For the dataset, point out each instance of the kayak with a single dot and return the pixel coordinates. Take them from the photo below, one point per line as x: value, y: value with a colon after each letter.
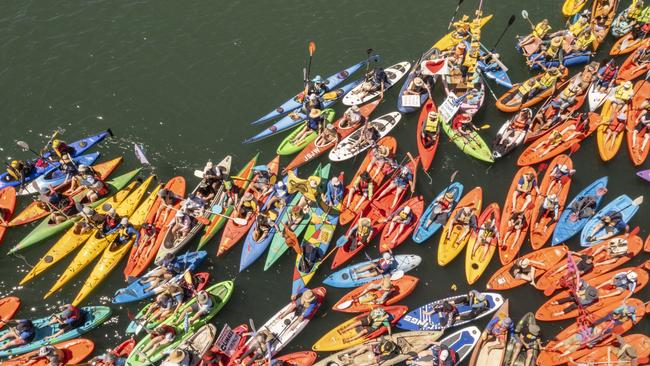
x: 171, y: 243
x: 71, y: 240
x: 472, y: 145
x: 622, y: 204
x: 496, y: 71
x: 427, y: 150
x: 97, y: 242
x: 94, y: 316
x: 297, y: 116
x: 278, y: 244
x: 640, y: 342
x: 216, y: 221
x: 551, y: 279
x: 331, y: 82
x: 549, y: 310
x: 509, y: 102
x: 231, y: 339
x: 7, y: 207
x: 621, y: 25
x: 644, y: 174
x: 532, y: 156
x: 418, y: 319
x: 141, y: 256
x: 509, y: 248
x: 391, y: 241
x: 500, y: 150
x: 570, y: 224
x: 503, y: 278
x: 74, y: 351
x: 608, y: 149
x: 469, y: 103
x: 423, y: 232
x: 348, y: 278
x: 350, y: 146
x: 304, y: 358
x: 337, y: 339
x: 639, y: 153
x: 408, y: 343
x: 568, y: 60
x: 450, y: 246
x: 487, y: 352
x: 603, y: 28
x: 47, y: 228
x: 451, y: 39
x: 233, y: 232
x: 461, y: 342
x: 630, y: 70
x: 359, y: 303
x: 477, y: 260
x: 195, y: 346
x: 394, y: 74
x: 548, y: 358
x: 287, y: 147
x: 627, y: 44
x: 122, y: 351
x: 9, y: 306
x: 595, y: 96
x: 56, y: 177
x: 115, y: 251
x: 521, y: 329
x: 350, y: 211
x: 43, y: 165
x: 283, y: 327
x: 315, y: 149
x: 34, y: 211
x: 542, y: 226
x: 137, y: 290
x: 416, y: 71
x: 220, y: 292
x: 573, y: 7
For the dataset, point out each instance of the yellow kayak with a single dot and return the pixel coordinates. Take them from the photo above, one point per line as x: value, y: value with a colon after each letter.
x: 608, y: 149
x: 478, y: 258
x: 573, y: 7
x: 71, y: 241
x: 115, y: 252
x: 450, y: 245
x: 96, y: 244
x: 451, y: 39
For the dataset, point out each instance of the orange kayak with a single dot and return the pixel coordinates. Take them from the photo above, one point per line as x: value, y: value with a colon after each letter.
x: 427, y: 151
x: 386, y: 241
x: 503, y: 278
x: 646, y: 247
x: 304, y: 358
x: 509, y: 102
x: 551, y: 358
x: 638, y: 154
x: 550, y: 281
x: 142, y: 255
x: 350, y: 211
x: 233, y: 232
x: 630, y: 70
x: 450, y: 246
x: 550, y: 312
x: 74, y: 351
x: 8, y: 307
x: 541, y: 227
x: 314, y: 150
x: 7, y: 207
x: 601, y: 29
x: 640, y: 342
x: 508, y: 247
x: 608, y: 149
x: 627, y: 44
x: 122, y: 350
x: 542, y: 148
x: 401, y: 289
x: 477, y: 260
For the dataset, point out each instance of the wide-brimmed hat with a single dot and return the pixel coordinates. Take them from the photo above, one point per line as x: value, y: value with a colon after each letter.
x: 307, y: 297
x: 314, y: 113
x: 176, y: 356
x: 202, y: 297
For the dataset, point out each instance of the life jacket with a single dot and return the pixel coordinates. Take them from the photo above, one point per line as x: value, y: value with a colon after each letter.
x: 583, y: 42
x: 431, y: 126
x: 547, y: 80
x: 444, y: 204
x: 75, y: 314
x: 577, y: 28
x: 464, y: 217
x: 526, y: 185
x: 552, y: 50
x: 623, y: 94
x: 62, y: 149
x: 609, y: 72
x: 524, y: 88
x: 541, y: 29
x: 519, y: 123
x: 556, y: 138
x: 644, y: 17
x: 363, y: 231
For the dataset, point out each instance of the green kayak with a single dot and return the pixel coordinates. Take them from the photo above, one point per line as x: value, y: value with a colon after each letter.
x: 473, y: 146
x: 46, y: 229
x: 278, y: 245
x: 221, y: 293
x: 288, y: 148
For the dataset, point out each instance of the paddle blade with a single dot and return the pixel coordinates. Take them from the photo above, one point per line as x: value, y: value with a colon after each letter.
x: 638, y: 201
x: 524, y: 14
x: 216, y: 209
x: 453, y: 176
x: 574, y: 148
x: 634, y: 231
x: 23, y: 145
x: 198, y: 173
x: 397, y: 275
x: 203, y: 220
x: 341, y: 241
x: 344, y: 305
x: 240, y: 221
x: 511, y: 20
x: 312, y: 48
x: 549, y: 291
x: 187, y: 276
x: 139, y: 153
x: 541, y: 167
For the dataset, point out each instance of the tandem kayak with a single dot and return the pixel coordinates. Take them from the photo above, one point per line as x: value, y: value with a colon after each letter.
x: 450, y: 245
x: 571, y: 59
x: 424, y: 231
x: 348, y: 278
x: 56, y: 177
x: 394, y: 74
x: 622, y: 204
x: 351, y: 146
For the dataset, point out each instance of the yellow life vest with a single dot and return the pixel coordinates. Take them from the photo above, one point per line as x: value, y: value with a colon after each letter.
x: 547, y: 80
x: 577, y: 28
x: 582, y: 43
x: 623, y: 94
x: 524, y: 88
x: 540, y: 30
x: 431, y: 126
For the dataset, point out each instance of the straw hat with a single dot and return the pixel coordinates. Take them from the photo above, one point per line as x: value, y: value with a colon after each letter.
x: 315, y: 113
x: 177, y: 356
x: 307, y: 297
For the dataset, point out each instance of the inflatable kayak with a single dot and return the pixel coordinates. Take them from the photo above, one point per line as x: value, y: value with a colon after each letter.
x: 426, y: 148
x: 622, y: 204
x: 361, y: 300
x: 509, y: 247
x: 450, y: 244
x: 420, y: 319
x: 503, y: 278
x: 287, y: 147
x: 391, y: 241
x: 638, y: 153
x: 472, y: 145
x: 348, y: 278
x: 477, y: 256
x: 56, y: 177
x: 571, y: 59
x: 8, y: 308
x: 394, y: 74
x: 608, y: 148
x: 74, y: 351
x: 569, y: 222
x: 7, y: 207
x: 422, y: 231
x: 350, y: 146
x: 487, y: 351
x: 461, y: 342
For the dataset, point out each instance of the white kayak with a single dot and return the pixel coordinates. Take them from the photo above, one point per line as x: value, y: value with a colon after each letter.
x: 394, y: 74
x: 597, y: 98
x: 350, y: 146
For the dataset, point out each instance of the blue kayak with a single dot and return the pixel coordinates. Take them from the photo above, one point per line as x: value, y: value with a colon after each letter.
x: 417, y: 319
x: 297, y: 117
x: 421, y: 234
x: 347, y: 278
x: 46, y: 166
x: 566, y: 228
x: 409, y: 78
x: 57, y: 177
x: 622, y: 204
x: 93, y: 317
x: 495, y: 71
x: 573, y: 59
x: 136, y: 291
x: 331, y: 83
x: 461, y: 341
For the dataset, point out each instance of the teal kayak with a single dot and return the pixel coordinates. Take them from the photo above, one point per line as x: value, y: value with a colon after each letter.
x: 287, y: 147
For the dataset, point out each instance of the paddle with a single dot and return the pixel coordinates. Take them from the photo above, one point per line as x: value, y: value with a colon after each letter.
x: 524, y: 14
x: 139, y: 154
x: 312, y: 49
x: 451, y: 22
x: 218, y: 209
x: 25, y: 147
x: 636, y: 202
x: 511, y: 21
x: 200, y: 219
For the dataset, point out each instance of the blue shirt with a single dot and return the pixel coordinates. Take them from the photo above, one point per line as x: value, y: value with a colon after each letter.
x: 308, y: 311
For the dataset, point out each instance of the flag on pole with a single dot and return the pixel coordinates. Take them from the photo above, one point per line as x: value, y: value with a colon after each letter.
x: 139, y: 153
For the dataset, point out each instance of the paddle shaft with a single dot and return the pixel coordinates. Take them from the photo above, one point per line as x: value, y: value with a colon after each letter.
x: 453, y: 17
x: 510, y: 22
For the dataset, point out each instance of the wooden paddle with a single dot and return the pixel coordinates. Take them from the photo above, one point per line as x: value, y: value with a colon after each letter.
x: 218, y: 209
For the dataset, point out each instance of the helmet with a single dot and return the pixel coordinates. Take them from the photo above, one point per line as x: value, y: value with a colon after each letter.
x: 387, y: 256
x: 15, y: 164
x: 317, y: 79
x: 444, y: 355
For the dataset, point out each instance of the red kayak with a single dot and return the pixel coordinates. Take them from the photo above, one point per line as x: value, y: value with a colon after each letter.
x: 509, y: 247
x: 427, y: 150
x: 123, y: 350
x: 241, y: 332
x: 386, y: 241
x: 74, y: 351
x: 7, y: 206
x: 638, y: 153
x: 304, y: 358
x: 359, y: 304
x: 8, y: 307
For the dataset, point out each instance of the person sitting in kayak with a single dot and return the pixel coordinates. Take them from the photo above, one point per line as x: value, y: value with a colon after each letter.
x: 584, y: 264
x: 441, y: 209
x: 315, y: 124
x: 402, y: 219
x: 620, y: 315
x: 17, y: 171
x: 370, y: 135
x: 477, y: 302
x: 213, y: 177
x: 377, y: 293
x: 125, y: 232
x: 50, y: 354
x: 169, y: 267
x: 606, y: 76
x: 334, y: 193
x: 296, y: 215
x: 316, y: 86
x: 642, y: 128
x: 519, y: 125
x: 447, y: 313
x: 111, y: 220
x: 70, y: 318
x: 311, y: 255
x: 417, y: 86
x: 584, y: 206
x: 622, y: 282
x: 548, y: 52
x: 265, y: 222
x: 247, y: 206
x: 586, y: 337
x: 615, y: 249
x: 550, y: 208
x: 561, y: 104
x: 312, y: 102
x: 169, y: 200
x: 402, y: 180
x: 352, y: 118
x: 461, y: 28
x: 431, y: 128
x: 258, y: 349
x: 466, y: 220
x: 624, y: 352
x: 262, y: 182
x: 21, y: 332
x: 378, y: 352
x: 547, y: 81
x: 160, y: 309
x: 304, y: 304
x: 377, y: 318
x: 517, y: 223
x: 95, y: 187
x: 601, y: 16
x: 560, y: 174
x: 109, y: 358
x: 375, y: 80
x: 621, y: 97
x: 539, y: 33
x: 525, y: 269
x: 488, y: 235
x: 60, y: 206
x: 363, y: 186
x: 381, y: 160
x: 520, y: 96
x: 500, y: 329
x: 181, y: 224
x: 160, y: 337
x: 90, y: 220
x: 463, y: 126
x: 526, y: 187
x: 584, y: 296
x: 327, y: 136
x: 527, y: 339
x: 437, y: 355
x: 382, y: 267
x: 612, y: 222
x: 615, y: 127
x: 203, y: 305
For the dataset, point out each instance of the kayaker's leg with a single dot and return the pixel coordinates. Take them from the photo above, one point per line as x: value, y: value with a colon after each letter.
x: 399, y: 232
x: 515, y: 353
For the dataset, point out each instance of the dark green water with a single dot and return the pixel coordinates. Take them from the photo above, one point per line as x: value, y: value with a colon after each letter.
x: 186, y: 78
